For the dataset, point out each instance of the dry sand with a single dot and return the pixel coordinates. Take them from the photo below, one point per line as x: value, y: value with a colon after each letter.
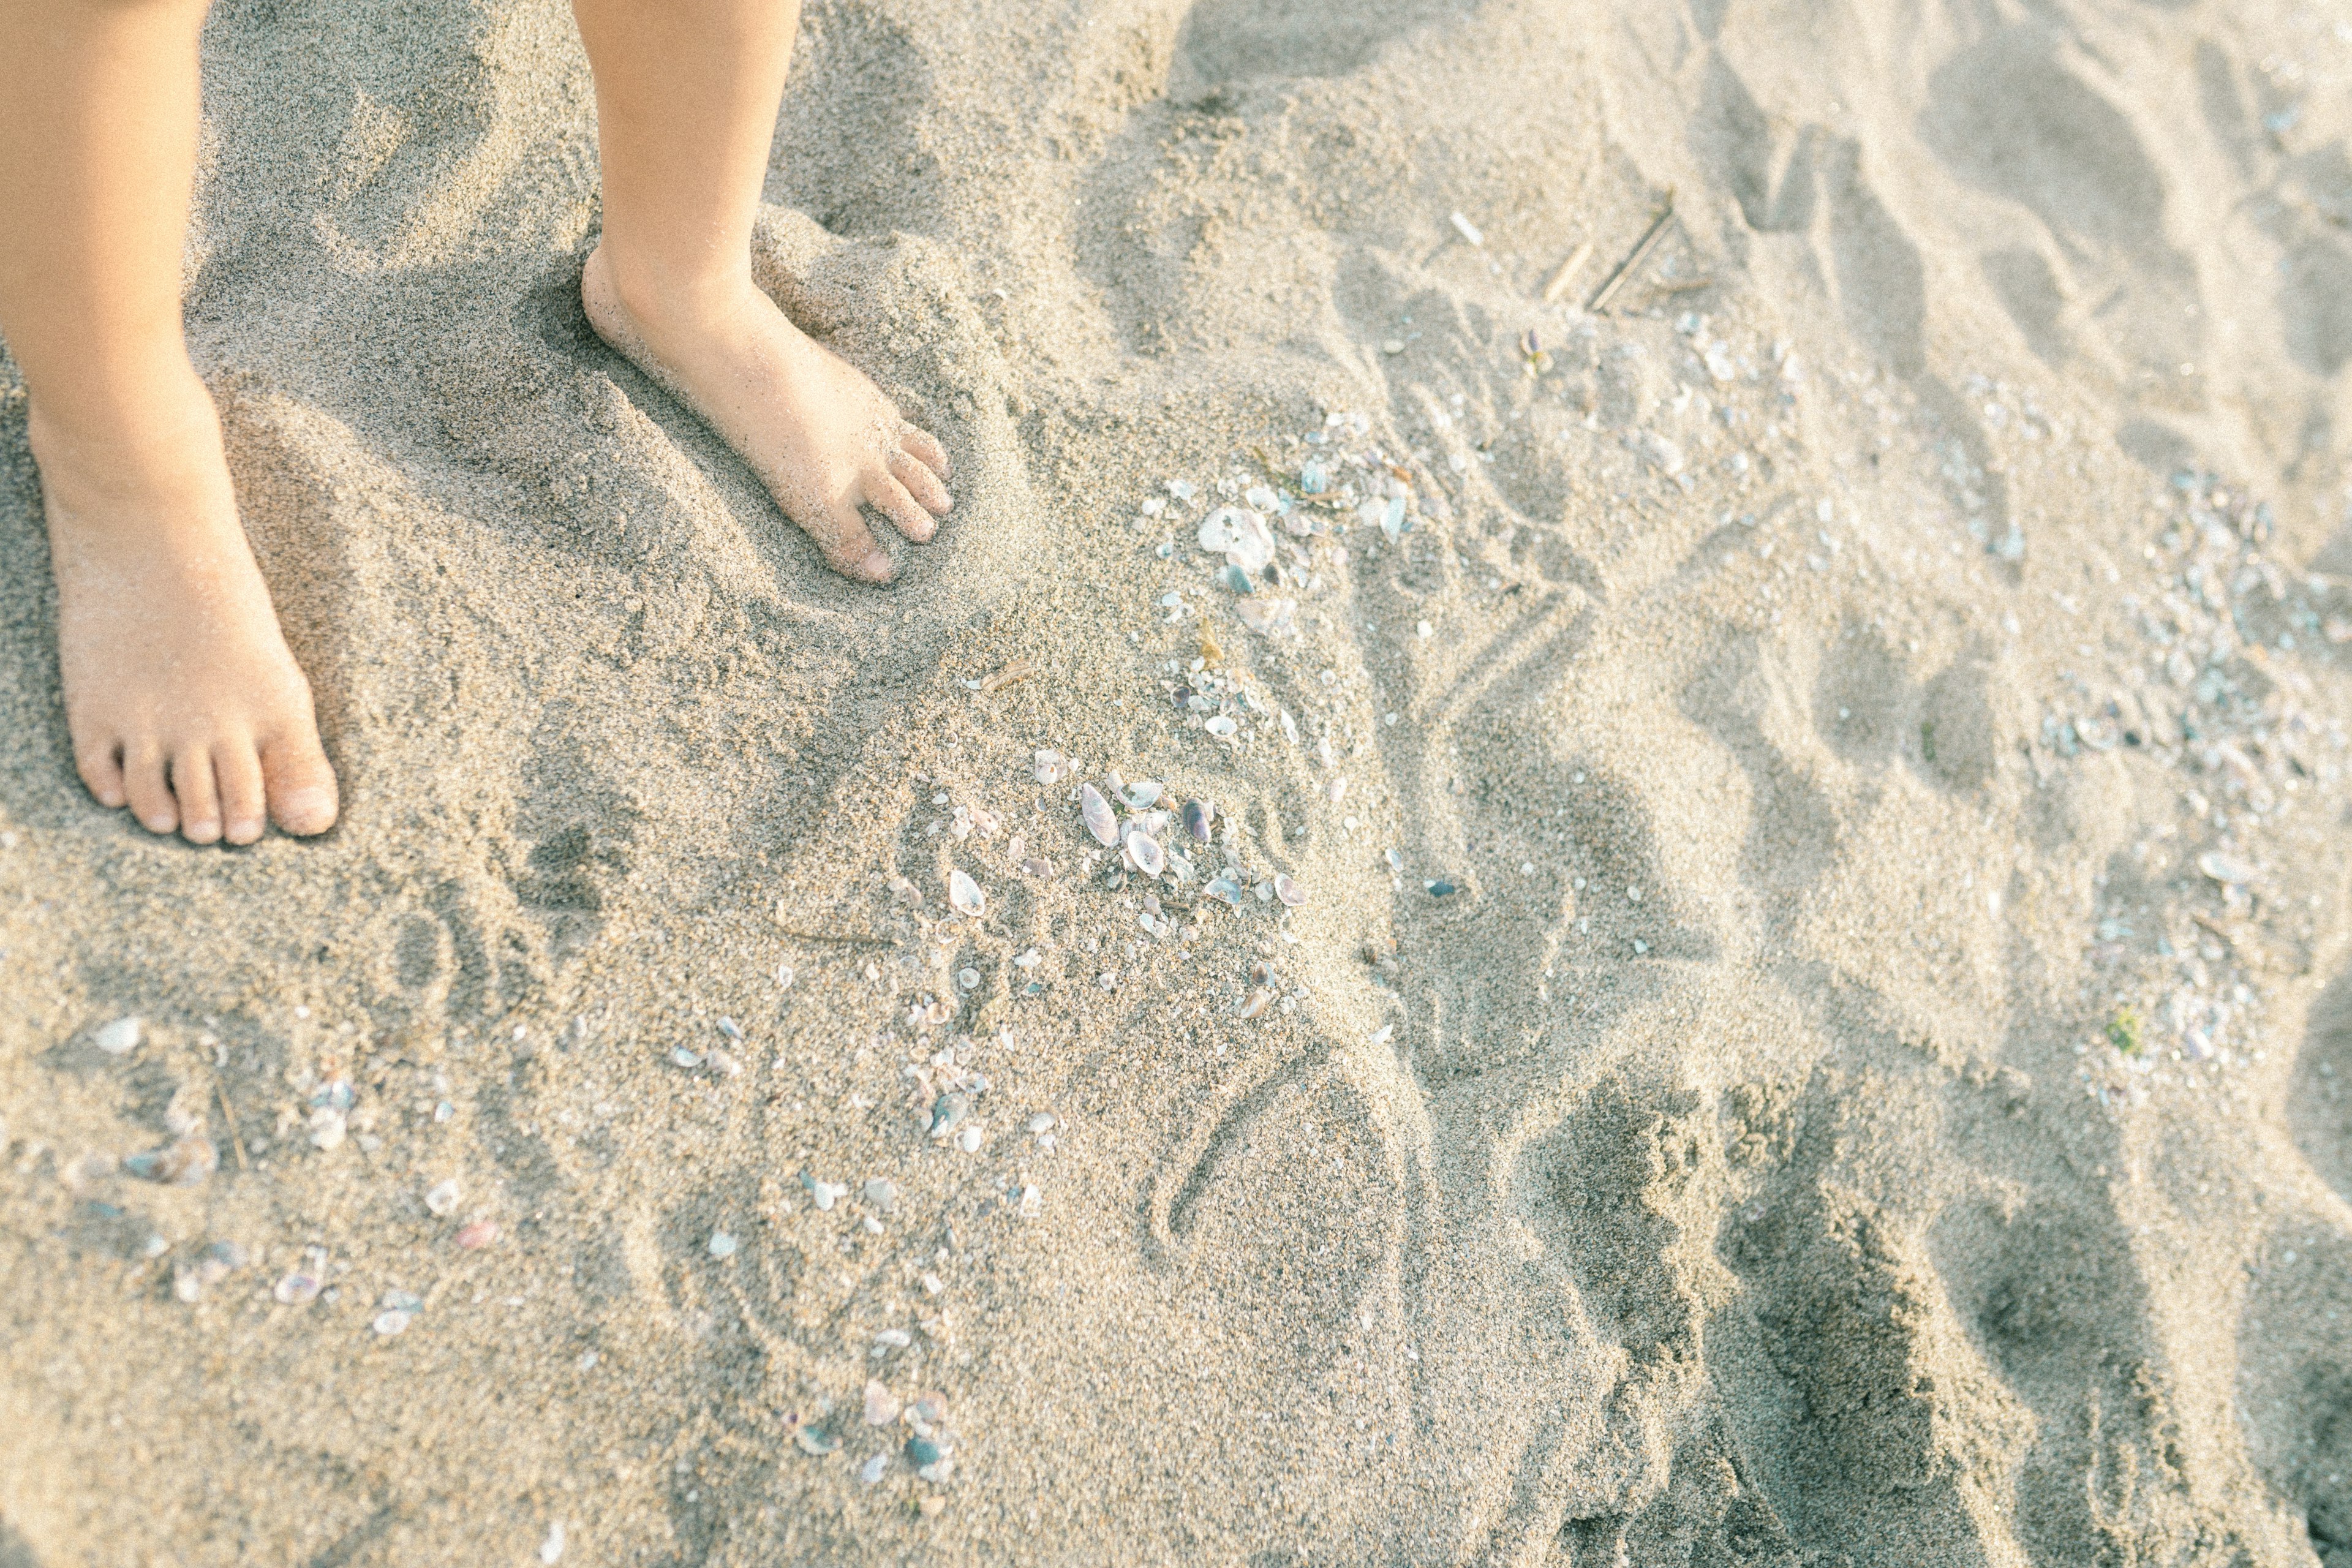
x: 1879, y: 693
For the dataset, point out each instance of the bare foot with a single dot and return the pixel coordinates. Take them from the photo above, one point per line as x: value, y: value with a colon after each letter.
x: 821, y: 437
x: 182, y: 698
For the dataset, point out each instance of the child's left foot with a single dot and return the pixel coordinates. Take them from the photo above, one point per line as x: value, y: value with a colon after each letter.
x: 822, y: 437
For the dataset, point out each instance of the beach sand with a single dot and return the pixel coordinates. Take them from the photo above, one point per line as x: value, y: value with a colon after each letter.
x: 1816, y: 1025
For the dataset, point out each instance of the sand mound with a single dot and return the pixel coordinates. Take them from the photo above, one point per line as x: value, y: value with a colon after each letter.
x: 1816, y: 1027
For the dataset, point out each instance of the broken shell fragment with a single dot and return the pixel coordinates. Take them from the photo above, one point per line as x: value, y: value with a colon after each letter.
x: 1288, y: 891
x: 1257, y: 1002
x: 1096, y: 812
x: 1198, y: 815
x: 1142, y: 795
x: 120, y: 1038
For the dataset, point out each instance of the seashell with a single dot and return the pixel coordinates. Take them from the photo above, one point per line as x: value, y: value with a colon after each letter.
x: 1313, y: 478
x: 1257, y: 1002
x: 1223, y: 726
x: 882, y: 1407
x: 1096, y: 812
x: 1238, y: 580
x: 1042, y: 1122
x: 1053, y: 767
x: 1269, y: 618
x: 479, y: 1235
x: 924, y: 1452
x: 442, y: 1200
x: 327, y: 1128
x: 1439, y: 887
x: 1221, y: 531
x: 1198, y: 815
x: 1287, y: 890
x: 120, y: 1038
x: 1255, y: 549
x: 2225, y: 868
x: 1225, y: 889
x: 965, y: 895
x: 1141, y: 794
x: 1144, y: 852
x: 811, y: 1441
x: 392, y: 1322
x: 294, y: 1290
x: 721, y: 1245
x: 948, y: 1113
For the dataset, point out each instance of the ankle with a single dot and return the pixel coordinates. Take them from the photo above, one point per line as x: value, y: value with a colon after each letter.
x: 659, y: 295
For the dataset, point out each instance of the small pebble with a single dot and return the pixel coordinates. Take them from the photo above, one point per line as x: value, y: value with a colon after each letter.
x: 881, y: 1193
x: 120, y: 1038
x: 442, y: 1199
x: 969, y: 1140
x: 552, y: 1549
x: 721, y: 1245
x: 1042, y: 1122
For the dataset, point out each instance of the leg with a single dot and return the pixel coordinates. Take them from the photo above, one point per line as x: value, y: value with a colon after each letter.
x: 180, y: 696
x: 686, y: 108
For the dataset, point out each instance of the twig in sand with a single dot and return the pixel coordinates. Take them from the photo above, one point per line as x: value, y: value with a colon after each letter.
x: 841, y: 938
x: 1567, y: 273
x: 1634, y: 258
x: 234, y: 1141
x: 1020, y: 669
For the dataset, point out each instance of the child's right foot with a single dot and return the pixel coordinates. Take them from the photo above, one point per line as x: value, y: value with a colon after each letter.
x: 182, y: 698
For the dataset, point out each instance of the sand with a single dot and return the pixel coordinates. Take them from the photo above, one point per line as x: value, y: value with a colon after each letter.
x: 1877, y: 694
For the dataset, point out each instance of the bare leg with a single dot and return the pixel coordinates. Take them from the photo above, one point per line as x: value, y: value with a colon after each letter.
x: 686, y: 108
x: 180, y: 696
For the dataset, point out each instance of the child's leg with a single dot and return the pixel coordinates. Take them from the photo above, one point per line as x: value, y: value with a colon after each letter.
x: 180, y: 694
x: 686, y: 105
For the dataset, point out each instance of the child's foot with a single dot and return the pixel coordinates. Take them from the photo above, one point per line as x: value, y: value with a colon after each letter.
x: 821, y: 437
x: 182, y: 698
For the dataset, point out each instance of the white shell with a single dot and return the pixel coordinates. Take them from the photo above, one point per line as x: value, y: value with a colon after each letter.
x: 1288, y: 891
x: 965, y: 894
x: 1144, y: 852
x: 1097, y: 811
x: 120, y: 1038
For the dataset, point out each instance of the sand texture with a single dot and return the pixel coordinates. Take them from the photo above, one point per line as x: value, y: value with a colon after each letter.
x: 1817, y: 1023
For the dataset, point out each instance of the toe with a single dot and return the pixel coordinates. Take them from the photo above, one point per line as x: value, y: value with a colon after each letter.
x: 101, y: 766
x: 236, y: 774
x: 921, y: 483
x: 890, y: 498
x: 926, y: 449
x: 299, y: 784
x: 199, y: 803
x: 849, y: 545
x: 149, y: 791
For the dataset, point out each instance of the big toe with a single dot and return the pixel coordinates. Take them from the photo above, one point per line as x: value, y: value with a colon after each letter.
x: 301, y: 785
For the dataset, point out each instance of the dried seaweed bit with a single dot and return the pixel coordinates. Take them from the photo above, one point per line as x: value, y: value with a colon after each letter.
x: 1097, y: 814
x: 965, y: 895
x: 1020, y: 669
x: 1199, y: 815
x: 1287, y: 890
x: 1634, y: 258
